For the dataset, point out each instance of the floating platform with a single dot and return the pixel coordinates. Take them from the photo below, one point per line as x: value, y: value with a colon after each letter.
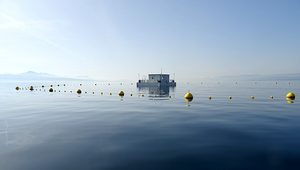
x: 156, y: 80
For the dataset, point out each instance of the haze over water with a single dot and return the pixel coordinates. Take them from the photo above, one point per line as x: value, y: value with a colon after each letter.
x: 226, y: 45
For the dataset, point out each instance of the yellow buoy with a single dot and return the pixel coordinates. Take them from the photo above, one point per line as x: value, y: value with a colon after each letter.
x: 255, y: 83
x: 54, y: 90
x: 121, y: 93
x: 130, y: 94
x: 252, y: 97
x: 188, y: 96
x: 70, y: 91
x: 290, y: 101
x: 230, y: 97
x: 288, y: 82
x: 154, y: 95
x: 235, y: 82
x: 209, y: 97
x: 109, y: 93
x: 271, y: 97
x: 93, y: 92
x: 101, y: 93
x: 201, y: 83
x: 50, y: 90
x: 170, y: 96
x: 142, y: 95
x: 275, y: 82
x: 85, y: 92
x: 31, y: 88
x: 290, y: 96
x: 78, y: 91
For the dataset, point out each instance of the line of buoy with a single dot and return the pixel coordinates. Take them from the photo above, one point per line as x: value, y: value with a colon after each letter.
x: 188, y: 97
x: 18, y: 88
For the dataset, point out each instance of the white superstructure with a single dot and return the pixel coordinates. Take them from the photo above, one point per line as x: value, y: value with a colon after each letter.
x: 157, y: 80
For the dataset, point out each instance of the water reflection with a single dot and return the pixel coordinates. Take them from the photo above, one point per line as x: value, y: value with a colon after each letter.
x: 188, y: 100
x: 290, y: 99
x: 157, y: 92
x: 6, y: 131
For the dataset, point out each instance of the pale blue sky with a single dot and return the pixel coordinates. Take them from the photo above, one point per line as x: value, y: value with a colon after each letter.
x: 117, y: 39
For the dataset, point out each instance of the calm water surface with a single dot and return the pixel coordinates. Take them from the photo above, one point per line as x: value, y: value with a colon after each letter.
x: 64, y: 130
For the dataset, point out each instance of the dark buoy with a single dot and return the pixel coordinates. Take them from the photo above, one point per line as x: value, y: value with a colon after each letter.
x: 78, y: 91
x: 17, y: 88
x: 50, y: 90
x: 31, y: 88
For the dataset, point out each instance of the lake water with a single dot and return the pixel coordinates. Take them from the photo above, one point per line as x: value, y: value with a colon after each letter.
x: 64, y: 130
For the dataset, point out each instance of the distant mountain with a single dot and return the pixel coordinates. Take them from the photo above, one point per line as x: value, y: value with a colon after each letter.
x: 274, y: 77
x: 34, y: 76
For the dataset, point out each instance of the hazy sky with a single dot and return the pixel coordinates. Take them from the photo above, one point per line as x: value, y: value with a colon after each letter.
x: 117, y: 39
